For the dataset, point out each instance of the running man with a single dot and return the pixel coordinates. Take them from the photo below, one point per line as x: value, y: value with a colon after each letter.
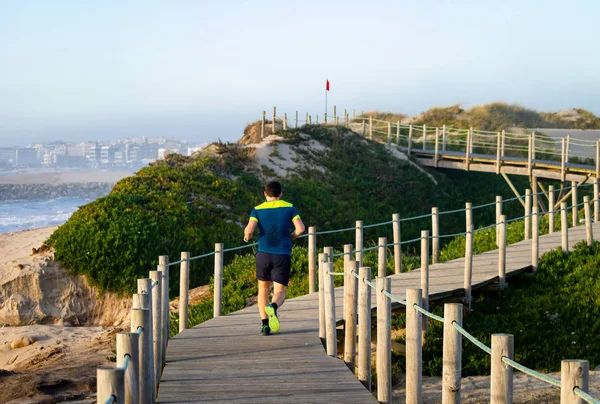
x: 274, y: 257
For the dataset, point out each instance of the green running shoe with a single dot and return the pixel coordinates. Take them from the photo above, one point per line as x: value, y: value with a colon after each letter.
x: 265, y: 330
x: 273, y: 319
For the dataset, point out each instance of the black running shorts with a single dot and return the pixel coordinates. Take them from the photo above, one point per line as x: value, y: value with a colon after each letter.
x: 273, y: 267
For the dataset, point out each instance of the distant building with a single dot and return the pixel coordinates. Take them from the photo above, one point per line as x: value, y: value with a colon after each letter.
x: 27, y: 157
x: 64, y: 160
x: 8, y: 156
x: 107, y: 155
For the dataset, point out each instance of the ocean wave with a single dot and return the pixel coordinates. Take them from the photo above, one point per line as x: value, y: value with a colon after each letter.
x: 30, y: 214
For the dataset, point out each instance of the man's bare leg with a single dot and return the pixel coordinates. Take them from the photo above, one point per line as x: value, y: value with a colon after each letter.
x: 279, y: 294
x: 264, y: 287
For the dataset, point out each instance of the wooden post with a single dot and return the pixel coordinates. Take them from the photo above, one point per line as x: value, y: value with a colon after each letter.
x: 467, y: 151
x: 128, y: 345
x: 596, y: 200
x: 398, y: 133
x: 532, y: 147
x: 471, y: 141
x: 364, y: 328
x: 334, y: 111
x: 157, y: 320
x: 163, y: 266
x: 321, y: 266
x: 574, y: 210
x: 498, y: 152
x: 436, y: 156
x: 296, y: 125
x: 562, y: 159
x: 501, y: 389
x: 371, y: 127
x: 452, y: 354
x: 110, y: 383
x: 588, y: 221
x: 140, y: 317
x: 444, y: 138
x: 359, y: 242
x: 410, y: 134
x: 534, y: 191
x: 384, y: 341
x: 535, y: 239
x: 502, y: 251
x: 529, y: 157
x: 435, y: 234
x: 330, y: 320
x: 306, y: 120
x: 389, y: 134
x: 285, y: 121
x: 424, y: 137
x: 564, y: 227
x: 325, y: 119
x: 218, y: 287
x: 184, y: 288
x: 364, y: 127
x: 312, y: 256
x: 262, y: 125
x: 468, y: 279
x: 144, y: 298
x: 551, y: 208
x: 568, y: 149
x: 350, y: 315
x: 502, y: 143
x: 397, y: 246
x: 498, y: 214
x: 414, y: 346
x: 425, y: 275
x: 573, y: 373
x: 345, y: 117
x: 527, y: 220
x: 274, y: 118
x: 381, y: 257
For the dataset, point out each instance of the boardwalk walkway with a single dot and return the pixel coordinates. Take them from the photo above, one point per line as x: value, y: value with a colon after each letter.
x: 224, y: 359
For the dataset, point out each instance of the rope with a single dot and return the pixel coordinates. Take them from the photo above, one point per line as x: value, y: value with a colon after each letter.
x: 203, y: 255
x: 174, y: 263
x: 371, y: 284
x: 428, y: 314
x: 531, y: 372
x: 485, y: 228
x: 239, y: 248
x: 154, y: 284
x: 381, y: 224
x: 336, y: 273
x: 394, y: 298
x: 452, y: 211
x: 139, y: 330
x: 415, y: 217
x: 484, y: 205
x: 336, y: 231
x: 126, y: 362
x: 111, y: 400
x: 585, y: 396
x: 471, y: 338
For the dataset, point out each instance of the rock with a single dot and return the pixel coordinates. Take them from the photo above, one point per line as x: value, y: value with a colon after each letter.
x: 21, y: 342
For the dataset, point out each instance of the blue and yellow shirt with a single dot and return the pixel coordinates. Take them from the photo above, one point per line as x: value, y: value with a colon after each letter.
x: 274, y: 224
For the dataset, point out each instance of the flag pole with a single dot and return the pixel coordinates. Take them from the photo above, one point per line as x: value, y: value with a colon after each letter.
x: 326, y: 100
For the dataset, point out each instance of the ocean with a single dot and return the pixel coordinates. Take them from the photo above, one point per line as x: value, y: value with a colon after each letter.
x: 30, y: 214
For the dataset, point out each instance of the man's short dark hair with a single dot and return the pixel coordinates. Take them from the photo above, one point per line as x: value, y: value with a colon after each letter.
x: 273, y: 189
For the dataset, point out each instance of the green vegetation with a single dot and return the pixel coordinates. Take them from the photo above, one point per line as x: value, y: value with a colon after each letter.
x: 190, y: 203
x: 552, y: 313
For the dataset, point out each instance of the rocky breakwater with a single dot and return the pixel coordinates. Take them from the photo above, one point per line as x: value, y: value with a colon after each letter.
x: 35, y: 289
x: 90, y: 190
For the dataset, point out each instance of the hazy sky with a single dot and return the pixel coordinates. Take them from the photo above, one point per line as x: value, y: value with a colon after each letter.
x: 200, y: 70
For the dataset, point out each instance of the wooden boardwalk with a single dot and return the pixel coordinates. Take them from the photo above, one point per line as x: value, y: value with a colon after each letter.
x: 225, y: 360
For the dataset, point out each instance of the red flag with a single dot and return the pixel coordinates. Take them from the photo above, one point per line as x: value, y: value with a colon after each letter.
x: 327, y: 85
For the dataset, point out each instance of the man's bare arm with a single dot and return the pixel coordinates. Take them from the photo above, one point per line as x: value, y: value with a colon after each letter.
x: 298, y: 229
x: 249, y: 230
